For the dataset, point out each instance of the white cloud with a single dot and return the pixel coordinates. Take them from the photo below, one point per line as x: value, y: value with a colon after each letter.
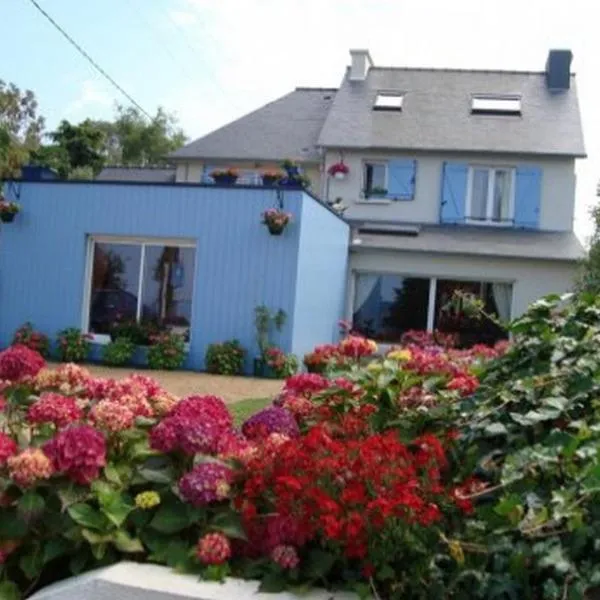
x: 92, y: 94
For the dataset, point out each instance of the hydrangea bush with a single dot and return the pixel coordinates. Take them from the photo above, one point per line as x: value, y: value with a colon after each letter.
x: 429, y: 472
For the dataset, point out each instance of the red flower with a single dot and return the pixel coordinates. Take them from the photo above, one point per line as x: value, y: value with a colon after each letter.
x: 19, y: 362
x: 213, y: 549
x: 54, y: 408
x: 8, y: 448
x: 78, y: 452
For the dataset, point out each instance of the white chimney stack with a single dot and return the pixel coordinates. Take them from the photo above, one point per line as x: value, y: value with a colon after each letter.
x: 361, y: 61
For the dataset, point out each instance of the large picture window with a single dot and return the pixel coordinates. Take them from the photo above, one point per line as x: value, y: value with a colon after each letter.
x: 388, y: 305
x: 146, y: 282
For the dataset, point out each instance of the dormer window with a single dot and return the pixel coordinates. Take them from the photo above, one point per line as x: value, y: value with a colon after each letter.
x: 388, y: 101
x: 496, y: 105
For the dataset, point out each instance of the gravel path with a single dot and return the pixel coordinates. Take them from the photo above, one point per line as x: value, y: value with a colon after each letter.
x: 185, y: 383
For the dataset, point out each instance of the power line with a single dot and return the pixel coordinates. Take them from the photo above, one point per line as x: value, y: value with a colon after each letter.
x: 89, y: 58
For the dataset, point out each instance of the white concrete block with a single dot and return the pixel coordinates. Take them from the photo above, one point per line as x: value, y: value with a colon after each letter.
x: 134, y: 581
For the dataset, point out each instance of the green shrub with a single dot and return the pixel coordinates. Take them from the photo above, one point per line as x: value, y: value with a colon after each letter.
x: 118, y: 352
x: 226, y: 358
x: 73, y: 345
x: 140, y: 334
x: 166, y: 352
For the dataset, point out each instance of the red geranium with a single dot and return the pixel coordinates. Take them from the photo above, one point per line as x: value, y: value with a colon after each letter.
x: 19, y: 362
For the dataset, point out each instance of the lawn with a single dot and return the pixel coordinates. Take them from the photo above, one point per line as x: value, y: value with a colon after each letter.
x: 246, y: 408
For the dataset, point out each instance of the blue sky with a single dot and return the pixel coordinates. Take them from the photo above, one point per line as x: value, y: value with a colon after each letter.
x: 210, y: 61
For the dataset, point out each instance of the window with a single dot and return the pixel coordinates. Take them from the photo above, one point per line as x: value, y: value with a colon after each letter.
x: 496, y: 105
x: 490, y: 196
x: 146, y: 282
x: 375, y: 179
x: 385, y: 306
x: 388, y: 305
x: 388, y: 101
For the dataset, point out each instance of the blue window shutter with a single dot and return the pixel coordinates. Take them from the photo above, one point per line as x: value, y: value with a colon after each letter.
x: 401, y: 179
x: 528, y: 194
x: 454, y: 192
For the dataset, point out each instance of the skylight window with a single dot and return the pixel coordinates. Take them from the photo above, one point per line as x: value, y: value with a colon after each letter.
x: 388, y: 101
x: 496, y: 105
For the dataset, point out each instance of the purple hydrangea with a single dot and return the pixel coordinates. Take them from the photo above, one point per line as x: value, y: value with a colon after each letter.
x: 198, y: 437
x: 205, y: 483
x: 273, y: 419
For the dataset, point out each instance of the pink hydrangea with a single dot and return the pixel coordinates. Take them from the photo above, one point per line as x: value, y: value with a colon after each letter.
x: 163, y: 403
x: 213, y: 549
x: 300, y: 406
x: 197, y: 437
x: 205, y: 483
x: 79, y: 452
x: 138, y: 405
x: 30, y: 466
x: 234, y: 445
x: 204, y: 408
x: 112, y: 416
x: 8, y: 447
x: 54, y: 408
x: 19, y: 362
x: 150, y: 386
x: 305, y: 384
x: 285, y: 556
x: 270, y: 420
x: 164, y: 436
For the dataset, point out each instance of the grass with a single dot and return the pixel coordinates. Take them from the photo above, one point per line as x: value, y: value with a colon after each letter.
x: 246, y: 408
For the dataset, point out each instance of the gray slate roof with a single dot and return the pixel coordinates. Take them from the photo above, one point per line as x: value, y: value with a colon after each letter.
x: 436, y: 113
x: 286, y: 128
x: 480, y: 241
x: 146, y: 174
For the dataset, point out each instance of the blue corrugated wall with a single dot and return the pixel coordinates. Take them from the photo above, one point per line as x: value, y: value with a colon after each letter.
x: 238, y: 264
x: 321, y: 278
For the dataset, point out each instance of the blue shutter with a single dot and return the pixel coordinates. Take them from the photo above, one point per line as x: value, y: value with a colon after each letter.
x: 528, y: 193
x: 401, y: 179
x: 454, y: 192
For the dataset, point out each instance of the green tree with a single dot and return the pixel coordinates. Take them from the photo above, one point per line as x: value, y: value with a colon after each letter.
x: 589, y: 273
x: 20, y: 128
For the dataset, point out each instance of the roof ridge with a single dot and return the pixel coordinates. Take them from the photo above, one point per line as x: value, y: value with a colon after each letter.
x: 461, y: 70
x: 315, y: 89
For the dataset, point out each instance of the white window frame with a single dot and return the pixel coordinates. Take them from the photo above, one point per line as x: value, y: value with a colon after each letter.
x: 101, y: 338
x: 389, y: 101
x: 385, y: 165
x: 492, y: 170
x: 496, y: 105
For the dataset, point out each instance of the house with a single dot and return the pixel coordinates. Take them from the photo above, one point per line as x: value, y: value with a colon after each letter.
x: 456, y: 180
x: 195, y: 258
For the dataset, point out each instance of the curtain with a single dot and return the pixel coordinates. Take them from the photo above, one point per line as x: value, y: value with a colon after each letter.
x: 502, y: 296
x: 365, y: 284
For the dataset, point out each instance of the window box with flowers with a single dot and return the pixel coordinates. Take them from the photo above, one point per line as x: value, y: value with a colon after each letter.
x: 8, y: 210
x: 276, y: 220
x: 271, y: 178
x: 338, y: 170
x: 293, y: 178
x: 225, y: 176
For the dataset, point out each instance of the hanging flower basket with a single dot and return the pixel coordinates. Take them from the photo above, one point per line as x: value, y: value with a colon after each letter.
x: 8, y: 210
x: 225, y: 177
x: 276, y: 220
x: 338, y: 170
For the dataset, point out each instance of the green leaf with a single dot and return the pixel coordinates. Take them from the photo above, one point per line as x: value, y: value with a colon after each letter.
x: 72, y: 495
x: 165, y: 475
x: 9, y: 591
x: 556, y: 559
x: 96, y: 538
x: 77, y: 563
x: 496, y: 429
x: 32, y: 563
x: 125, y: 543
x: 230, y: 524
x: 83, y: 514
x: 115, y: 506
x: 30, y: 506
x: 171, y: 518
x: 272, y: 583
x: 54, y: 548
x: 112, y: 474
x: 319, y: 564
x: 11, y: 525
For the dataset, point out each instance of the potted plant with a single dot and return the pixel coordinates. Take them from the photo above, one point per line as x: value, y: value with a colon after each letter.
x: 293, y: 177
x: 270, y: 178
x: 376, y: 192
x: 225, y: 176
x: 226, y: 358
x: 339, y: 170
x: 8, y: 210
x: 276, y: 220
x: 264, y: 322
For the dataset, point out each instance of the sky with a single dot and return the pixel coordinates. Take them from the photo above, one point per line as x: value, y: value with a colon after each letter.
x: 211, y: 61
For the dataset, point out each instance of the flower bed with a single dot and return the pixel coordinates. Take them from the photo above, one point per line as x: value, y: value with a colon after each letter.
x: 426, y: 473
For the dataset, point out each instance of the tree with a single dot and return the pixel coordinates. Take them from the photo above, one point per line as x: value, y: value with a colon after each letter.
x: 20, y: 128
x: 589, y: 274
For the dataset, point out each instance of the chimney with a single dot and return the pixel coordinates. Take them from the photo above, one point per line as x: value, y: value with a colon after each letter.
x: 558, y: 70
x: 361, y: 61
